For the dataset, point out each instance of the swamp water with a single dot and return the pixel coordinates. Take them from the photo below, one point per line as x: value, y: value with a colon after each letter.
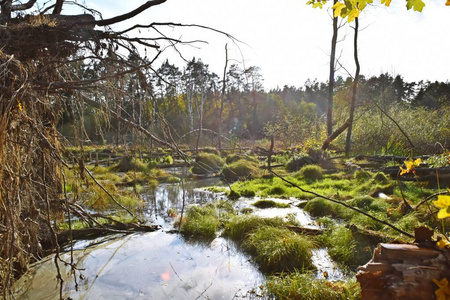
x: 162, y: 265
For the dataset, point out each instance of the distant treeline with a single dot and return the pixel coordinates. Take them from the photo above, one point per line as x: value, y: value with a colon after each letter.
x: 178, y: 102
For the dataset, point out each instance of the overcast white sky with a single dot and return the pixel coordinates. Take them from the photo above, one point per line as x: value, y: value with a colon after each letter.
x: 290, y: 41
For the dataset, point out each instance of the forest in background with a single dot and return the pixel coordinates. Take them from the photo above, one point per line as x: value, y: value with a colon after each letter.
x: 178, y: 102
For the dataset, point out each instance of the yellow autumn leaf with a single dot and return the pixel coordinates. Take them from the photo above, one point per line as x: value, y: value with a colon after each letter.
x: 338, y: 8
x: 443, y: 213
x: 387, y: 2
x: 354, y: 13
x: 447, y: 3
x: 443, y: 201
x: 410, y: 165
x: 443, y: 289
x: 19, y: 105
x: 442, y: 244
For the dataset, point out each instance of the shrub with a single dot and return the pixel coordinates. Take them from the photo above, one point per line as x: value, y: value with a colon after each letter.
x: 206, y: 163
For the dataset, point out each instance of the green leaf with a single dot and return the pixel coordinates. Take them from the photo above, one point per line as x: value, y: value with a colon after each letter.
x: 417, y: 5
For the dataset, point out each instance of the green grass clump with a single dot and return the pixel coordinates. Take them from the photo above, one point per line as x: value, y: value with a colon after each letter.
x: 269, y: 204
x: 297, y: 163
x: 381, y: 178
x: 361, y: 175
x: 236, y: 157
x: 241, y: 169
x: 362, y: 202
x: 279, y: 249
x: 303, y: 286
x: 201, y: 222
x: 130, y: 163
x: 206, y: 163
x: 319, y: 207
x: 238, y: 227
x: 278, y: 189
x: 346, y: 247
x: 311, y: 172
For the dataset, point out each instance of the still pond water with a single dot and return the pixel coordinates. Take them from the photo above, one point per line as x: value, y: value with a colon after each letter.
x: 163, y: 265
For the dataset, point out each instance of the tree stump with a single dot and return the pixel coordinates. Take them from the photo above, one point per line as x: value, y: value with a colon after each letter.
x: 403, y: 271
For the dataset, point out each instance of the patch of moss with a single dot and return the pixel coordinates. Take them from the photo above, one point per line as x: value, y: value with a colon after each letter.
x: 361, y: 175
x: 270, y: 204
x: 311, y: 172
x: 319, y: 207
x: 380, y: 177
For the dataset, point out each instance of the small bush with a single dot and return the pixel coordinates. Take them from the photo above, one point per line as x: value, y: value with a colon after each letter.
x: 311, y: 172
x: 206, y: 163
x: 279, y: 249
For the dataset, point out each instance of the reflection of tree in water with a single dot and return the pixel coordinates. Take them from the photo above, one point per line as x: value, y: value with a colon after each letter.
x: 168, y: 198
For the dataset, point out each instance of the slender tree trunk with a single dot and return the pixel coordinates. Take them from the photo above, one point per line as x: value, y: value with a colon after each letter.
x: 200, y: 125
x: 331, y: 79
x: 222, y: 100
x: 354, y: 89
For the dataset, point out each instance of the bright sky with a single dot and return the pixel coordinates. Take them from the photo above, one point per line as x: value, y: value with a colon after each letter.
x: 290, y: 41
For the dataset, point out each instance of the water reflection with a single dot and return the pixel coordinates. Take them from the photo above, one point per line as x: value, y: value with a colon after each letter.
x: 164, y: 202
x: 150, y: 266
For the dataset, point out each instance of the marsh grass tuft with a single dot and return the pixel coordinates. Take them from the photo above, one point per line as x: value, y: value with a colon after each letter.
x: 201, y: 223
x: 238, y: 227
x: 303, y: 286
x: 206, y: 163
x: 240, y: 169
x: 278, y: 249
